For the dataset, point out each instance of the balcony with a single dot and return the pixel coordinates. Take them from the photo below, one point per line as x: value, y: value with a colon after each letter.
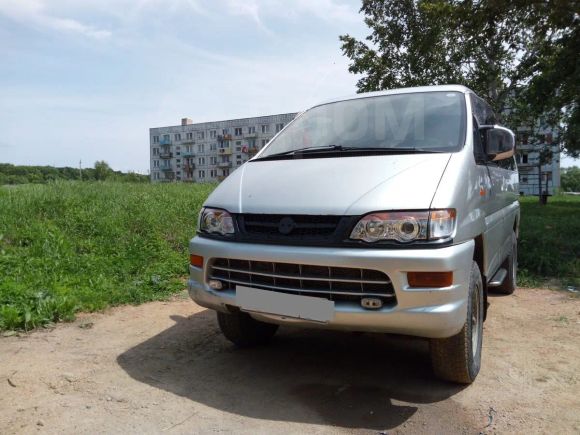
x: 224, y: 164
x: 221, y: 177
x: 224, y: 151
x: 224, y: 137
x: 163, y: 141
x: 250, y: 135
x: 165, y: 155
x: 166, y: 169
x: 187, y: 154
x: 252, y: 151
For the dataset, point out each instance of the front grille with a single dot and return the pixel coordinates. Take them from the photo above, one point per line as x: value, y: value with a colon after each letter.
x: 334, y: 283
x: 288, y: 226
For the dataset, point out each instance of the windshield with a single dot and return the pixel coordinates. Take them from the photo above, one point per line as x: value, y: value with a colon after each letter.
x: 431, y: 121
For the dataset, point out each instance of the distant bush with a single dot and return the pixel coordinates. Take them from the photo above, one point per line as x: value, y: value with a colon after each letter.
x: 14, y: 174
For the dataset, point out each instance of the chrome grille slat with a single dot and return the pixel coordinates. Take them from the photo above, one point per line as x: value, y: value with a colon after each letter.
x: 297, y: 290
x: 302, y: 277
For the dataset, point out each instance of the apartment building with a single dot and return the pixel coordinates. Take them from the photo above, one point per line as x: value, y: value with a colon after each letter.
x: 209, y: 151
x: 536, y: 178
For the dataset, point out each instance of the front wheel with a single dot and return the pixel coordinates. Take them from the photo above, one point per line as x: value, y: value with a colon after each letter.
x: 458, y: 358
x: 244, y: 331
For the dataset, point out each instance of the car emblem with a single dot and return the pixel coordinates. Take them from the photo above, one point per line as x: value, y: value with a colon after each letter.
x: 286, y: 225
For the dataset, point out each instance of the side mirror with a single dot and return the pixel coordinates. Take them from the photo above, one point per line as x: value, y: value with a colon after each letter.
x: 499, y: 142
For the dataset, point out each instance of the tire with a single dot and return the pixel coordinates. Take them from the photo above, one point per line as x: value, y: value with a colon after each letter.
x: 458, y: 358
x: 508, y: 285
x: 244, y: 331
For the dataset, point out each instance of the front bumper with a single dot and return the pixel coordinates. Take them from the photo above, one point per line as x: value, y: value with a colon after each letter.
x: 434, y: 313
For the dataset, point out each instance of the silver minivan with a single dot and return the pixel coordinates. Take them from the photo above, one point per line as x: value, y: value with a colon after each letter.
x: 392, y: 212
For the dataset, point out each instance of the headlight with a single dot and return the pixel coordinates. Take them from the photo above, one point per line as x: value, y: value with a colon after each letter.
x: 216, y: 221
x: 405, y: 226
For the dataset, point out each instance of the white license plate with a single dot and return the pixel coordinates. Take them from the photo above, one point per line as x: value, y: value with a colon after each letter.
x: 283, y: 304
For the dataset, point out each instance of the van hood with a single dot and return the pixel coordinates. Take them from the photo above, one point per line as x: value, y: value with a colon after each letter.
x: 332, y: 186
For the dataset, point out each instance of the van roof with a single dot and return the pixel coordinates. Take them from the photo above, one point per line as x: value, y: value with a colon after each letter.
x: 438, y: 88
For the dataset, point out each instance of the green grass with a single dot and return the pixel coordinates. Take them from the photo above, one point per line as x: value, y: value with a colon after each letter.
x: 68, y: 246
x: 72, y: 246
x: 549, y: 246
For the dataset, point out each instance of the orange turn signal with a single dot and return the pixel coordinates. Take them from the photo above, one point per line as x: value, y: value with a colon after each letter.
x: 430, y: 279
x: 196, y: 260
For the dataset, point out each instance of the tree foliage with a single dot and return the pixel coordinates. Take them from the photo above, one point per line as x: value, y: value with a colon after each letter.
x: 102, y: 170
x: 570, y: 179
x: 509, y: 52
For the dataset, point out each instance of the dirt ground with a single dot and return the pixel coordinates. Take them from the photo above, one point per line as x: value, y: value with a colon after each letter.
x: 165, y: 368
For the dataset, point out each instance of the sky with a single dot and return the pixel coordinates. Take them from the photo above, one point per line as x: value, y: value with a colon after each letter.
x: 85, y: 80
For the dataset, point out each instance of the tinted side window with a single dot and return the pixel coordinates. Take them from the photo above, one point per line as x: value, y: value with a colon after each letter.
x: 482, y: 111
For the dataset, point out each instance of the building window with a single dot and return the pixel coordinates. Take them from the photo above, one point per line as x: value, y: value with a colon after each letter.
x: 155, y: 139
x: 251, y: 130
x: 238, y: 131
x: 155, y: 163
x: 189, y: 136
x: 213, y: 173
x: 212, y: 134
x: 201, y: 160
x: 213, y: 160
x: 201, y: 148
x: 177, y: 136
x: 524, y: 158
x: 200, y: 135
x: 166, y: 138
x: 265, y: 128
x: 225, y: 131
x: 252, y: 143
x: 279, y: 127
x: 155, y: 151
x: 524, y: 179
x: 213, y: 147
x: 264, y: 142
x: 201, y: 174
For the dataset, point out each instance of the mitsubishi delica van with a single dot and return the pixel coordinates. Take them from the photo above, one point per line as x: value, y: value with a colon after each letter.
x: 392, y: 212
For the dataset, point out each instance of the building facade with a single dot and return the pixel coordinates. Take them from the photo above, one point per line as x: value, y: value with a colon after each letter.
x: 536, y: 179
x: 209, y: 151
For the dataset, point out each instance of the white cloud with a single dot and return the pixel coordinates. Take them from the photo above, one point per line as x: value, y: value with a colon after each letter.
x: 33, y: 12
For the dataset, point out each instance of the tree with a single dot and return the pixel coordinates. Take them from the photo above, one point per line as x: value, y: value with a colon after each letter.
x: 554, y: 89
x: 495, y: 47
x: 570, y: 179
x: 102, y: 170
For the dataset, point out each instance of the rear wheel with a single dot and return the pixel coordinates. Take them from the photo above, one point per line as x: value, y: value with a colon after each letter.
x: 244, y: 331
x: 458, y: 358
x: 508, y: 285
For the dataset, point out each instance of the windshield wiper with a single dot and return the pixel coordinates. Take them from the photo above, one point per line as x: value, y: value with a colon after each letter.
x: 340, y: 149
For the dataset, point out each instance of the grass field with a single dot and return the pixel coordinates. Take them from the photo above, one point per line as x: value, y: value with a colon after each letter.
x: 549, y: 245
x: 68, y: 246
x: 72, y: 246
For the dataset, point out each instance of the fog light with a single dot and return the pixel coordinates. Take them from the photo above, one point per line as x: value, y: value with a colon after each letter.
x: 371, y: 303
x: 215, y: 284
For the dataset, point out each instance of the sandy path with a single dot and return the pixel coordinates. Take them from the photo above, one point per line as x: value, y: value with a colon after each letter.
x: 164, y: 368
